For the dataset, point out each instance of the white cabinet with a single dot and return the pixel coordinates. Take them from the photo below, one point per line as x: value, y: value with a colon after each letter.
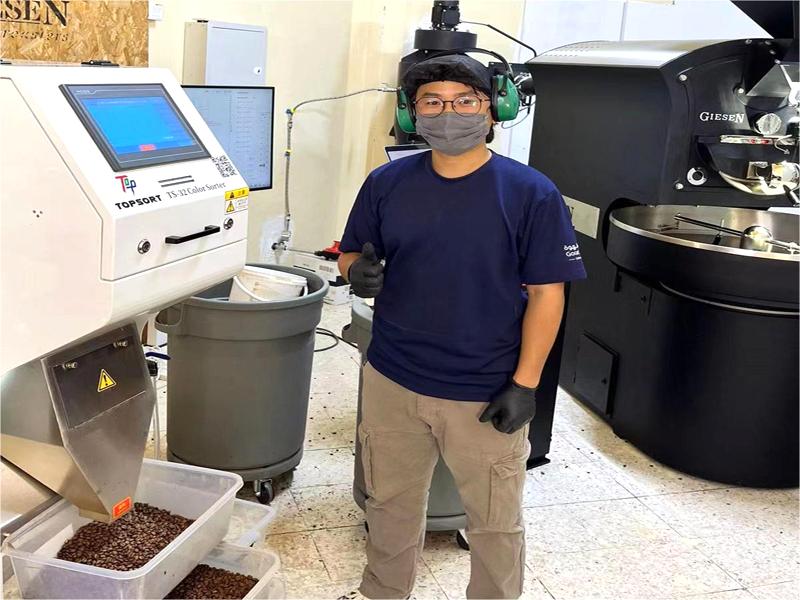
x: 218, y: 53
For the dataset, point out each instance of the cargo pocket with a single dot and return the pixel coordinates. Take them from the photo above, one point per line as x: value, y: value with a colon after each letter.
x: 366, y: 460
x: 505, y: 494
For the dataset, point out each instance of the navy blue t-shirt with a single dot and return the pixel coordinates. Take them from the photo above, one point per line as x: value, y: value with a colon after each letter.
x: 448, y: 322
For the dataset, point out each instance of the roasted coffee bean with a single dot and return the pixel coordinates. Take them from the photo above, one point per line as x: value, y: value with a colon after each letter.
x: 126, y: 544
x: 211, y: 583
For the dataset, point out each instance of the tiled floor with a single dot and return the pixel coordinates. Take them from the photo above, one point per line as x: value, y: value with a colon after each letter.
x: 603, y: 520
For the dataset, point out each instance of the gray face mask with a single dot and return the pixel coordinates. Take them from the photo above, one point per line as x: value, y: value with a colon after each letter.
x: 451, y: 133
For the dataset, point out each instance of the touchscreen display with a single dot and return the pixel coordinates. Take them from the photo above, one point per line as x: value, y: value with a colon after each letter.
x: 134, y: 125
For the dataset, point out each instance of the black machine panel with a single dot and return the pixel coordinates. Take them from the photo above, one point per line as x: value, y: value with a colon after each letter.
x: 594, y: 374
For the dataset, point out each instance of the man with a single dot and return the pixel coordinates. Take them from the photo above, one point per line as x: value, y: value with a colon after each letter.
x: 468, y: 305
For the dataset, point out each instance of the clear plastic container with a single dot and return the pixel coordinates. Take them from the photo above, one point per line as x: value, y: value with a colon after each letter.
x: 261, y: 564
x: 205, y: 495
x: 249, y: 523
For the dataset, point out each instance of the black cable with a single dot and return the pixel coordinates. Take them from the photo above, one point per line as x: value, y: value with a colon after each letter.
x: 493, y: 28
x: 336, y: 338
x: 327, y: 333
x: 517, y: 122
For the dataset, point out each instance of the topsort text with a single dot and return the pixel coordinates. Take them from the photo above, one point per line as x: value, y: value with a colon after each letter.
x: 138, y: 202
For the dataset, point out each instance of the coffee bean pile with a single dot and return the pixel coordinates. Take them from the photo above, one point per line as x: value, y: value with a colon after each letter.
x: 209, y: 582
x: 126, y: 544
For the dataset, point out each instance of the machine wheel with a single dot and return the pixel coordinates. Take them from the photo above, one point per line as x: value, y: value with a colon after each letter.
x: 265, y: 493
x: 461, y: 540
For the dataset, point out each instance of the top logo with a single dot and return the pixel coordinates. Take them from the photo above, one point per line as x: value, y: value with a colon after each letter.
x: 127, y: 183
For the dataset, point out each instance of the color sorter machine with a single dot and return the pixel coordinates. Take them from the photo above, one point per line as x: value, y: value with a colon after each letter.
x: 117, y: 201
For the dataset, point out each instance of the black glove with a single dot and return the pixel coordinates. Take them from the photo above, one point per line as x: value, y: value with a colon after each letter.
x: 512, y: 408
x: 366, y: 273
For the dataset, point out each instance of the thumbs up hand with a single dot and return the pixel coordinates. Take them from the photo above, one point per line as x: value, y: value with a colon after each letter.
x: 366, y: 273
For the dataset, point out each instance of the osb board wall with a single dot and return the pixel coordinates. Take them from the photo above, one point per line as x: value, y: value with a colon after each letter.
x: 74, y: 30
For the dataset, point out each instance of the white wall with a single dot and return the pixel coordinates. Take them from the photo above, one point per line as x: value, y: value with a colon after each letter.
x: 548, y: 24
x: 308, y: 49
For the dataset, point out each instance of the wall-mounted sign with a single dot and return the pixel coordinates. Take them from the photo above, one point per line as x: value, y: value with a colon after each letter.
x: 74, y: 30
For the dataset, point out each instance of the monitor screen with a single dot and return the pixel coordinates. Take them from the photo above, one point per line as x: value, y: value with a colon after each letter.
x: 403, y: 150
x: 134, y: 125
x: 241, y: 119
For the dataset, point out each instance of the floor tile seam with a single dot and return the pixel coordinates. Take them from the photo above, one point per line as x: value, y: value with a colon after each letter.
x: 662, y: 519
x: 315, y: 529
x: 305, y: 487
x: 709, y: 489
x: 638, y: 544
x: 702, y: 595
x: 441, y: 587
x: 613, y: 475
x: 524, y: 506
x: 709, y: 595
x: 318, y: 485
x: 760, y: 585
x: 731, y: 574
x: 327, y: 448
x: 611, y: 546
x: 608, y: 500
x: 322, y: 559
x: 536, y: 577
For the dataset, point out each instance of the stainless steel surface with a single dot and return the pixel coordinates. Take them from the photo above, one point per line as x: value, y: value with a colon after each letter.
x: 696, y: 176
x: 784, y: 175
x: 585, y: 217
x: 733, y: 307
x: 658, y: 222
x: 81, y: 439
x: 768, y: 124
x: 756, y: 140
x: 757, y: 237
x: 22, y: 497
x: 621, y: 54
x: 754, y: 237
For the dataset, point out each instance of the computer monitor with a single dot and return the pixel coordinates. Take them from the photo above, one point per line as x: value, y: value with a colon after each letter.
x: 403, y: 150
x: 241, y: 118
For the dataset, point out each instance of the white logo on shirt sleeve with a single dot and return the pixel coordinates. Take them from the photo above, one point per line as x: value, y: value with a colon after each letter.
x: 572, y: 252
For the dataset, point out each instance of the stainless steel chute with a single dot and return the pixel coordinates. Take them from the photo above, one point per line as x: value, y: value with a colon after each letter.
x: 77, y: 421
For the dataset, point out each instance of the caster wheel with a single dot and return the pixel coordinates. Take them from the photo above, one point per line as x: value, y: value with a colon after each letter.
x: 461, y: 540
x: 265, y: 493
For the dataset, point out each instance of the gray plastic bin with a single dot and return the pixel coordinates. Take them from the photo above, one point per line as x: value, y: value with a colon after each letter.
x: 445, y: 510
x: 239, y: 379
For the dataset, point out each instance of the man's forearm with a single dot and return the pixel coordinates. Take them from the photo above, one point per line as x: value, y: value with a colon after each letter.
x: 539, y: 329
x: 345, y: 261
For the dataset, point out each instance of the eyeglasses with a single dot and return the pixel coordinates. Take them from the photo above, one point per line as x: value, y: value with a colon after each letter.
x: 431, y: 106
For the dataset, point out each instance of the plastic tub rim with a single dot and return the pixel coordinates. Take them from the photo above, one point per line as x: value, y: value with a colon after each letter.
x: 311, y: 298
x: 266, y: 578
x: 11, y: 552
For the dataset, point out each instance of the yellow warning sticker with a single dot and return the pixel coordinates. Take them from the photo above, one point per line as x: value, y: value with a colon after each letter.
x: 236, y: 200
x: 237, y: 193
x: 105, y: 382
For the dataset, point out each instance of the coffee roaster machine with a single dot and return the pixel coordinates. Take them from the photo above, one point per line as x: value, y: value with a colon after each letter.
x: 679, y: 162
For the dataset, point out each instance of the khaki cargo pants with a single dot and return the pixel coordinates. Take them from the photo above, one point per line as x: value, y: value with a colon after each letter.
x: 402, y: 434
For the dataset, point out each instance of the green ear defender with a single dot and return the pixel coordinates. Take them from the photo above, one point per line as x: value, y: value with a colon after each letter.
x: 505, y: 98
x: 404, y: 113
